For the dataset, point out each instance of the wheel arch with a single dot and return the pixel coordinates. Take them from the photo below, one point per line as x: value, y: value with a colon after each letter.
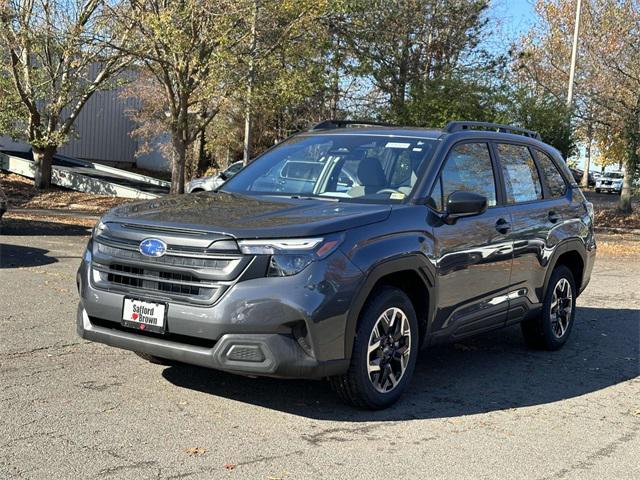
x: 572, y: 254
x: 409, y: 274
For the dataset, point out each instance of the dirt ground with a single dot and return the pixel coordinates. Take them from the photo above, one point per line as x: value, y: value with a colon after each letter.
x: 22, y: 194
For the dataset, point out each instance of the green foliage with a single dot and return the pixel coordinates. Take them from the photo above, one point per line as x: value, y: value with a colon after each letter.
x: 12, y: 111
x: 441, y: 100
x: 543, y: 113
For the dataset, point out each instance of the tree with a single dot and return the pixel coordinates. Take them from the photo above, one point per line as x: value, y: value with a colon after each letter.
x: 537, y: 110
x: 188, y: 49
x: 400, y: 45
x: 607, y: 102
x: 57, y: 55
x: 278, y: 33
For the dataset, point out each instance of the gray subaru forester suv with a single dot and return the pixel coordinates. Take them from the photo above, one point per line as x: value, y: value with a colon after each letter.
x: 343, y: 251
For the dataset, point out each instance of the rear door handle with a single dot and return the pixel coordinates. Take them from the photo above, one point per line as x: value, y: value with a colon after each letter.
x: 503, y: 226
x: 553, y: 217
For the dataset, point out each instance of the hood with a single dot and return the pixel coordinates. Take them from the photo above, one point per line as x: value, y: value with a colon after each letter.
x: 244, y: 216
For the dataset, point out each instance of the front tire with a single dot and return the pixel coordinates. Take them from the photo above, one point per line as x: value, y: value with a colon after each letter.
x: 551, y: 330
x: 384, y: 352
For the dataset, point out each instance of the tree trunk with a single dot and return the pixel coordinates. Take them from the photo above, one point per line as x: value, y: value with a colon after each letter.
x: 177, y: 167
x: 632, y: 134
x: 585, y: 175
x: 624, y: 206
x: 43, y: 158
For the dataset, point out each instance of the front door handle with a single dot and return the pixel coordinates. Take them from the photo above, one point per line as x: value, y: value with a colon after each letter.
x: 553, y: 217
x: 503, y: 226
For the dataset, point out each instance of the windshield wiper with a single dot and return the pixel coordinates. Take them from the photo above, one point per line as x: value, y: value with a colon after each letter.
x: 306, y: 197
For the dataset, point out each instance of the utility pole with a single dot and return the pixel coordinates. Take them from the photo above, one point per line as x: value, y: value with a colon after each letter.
x: 574, y: 52
x: 248, y: 115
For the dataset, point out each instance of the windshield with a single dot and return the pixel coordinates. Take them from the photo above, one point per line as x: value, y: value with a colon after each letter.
x: 233, y: 169
x: 343, y: 166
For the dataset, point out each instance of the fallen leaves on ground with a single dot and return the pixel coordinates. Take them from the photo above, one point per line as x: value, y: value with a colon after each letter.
x: 22, y: 194
x: 195, y: 451
x: 26, y: 219
x: 611, y: 218
x: 618, y: 247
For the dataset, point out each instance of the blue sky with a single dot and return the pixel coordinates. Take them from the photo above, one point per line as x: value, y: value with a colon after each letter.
x: 514, y: 16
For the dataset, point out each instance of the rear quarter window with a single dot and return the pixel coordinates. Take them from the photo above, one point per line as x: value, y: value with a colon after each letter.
x: 522, y: 182
x: 554, y: 181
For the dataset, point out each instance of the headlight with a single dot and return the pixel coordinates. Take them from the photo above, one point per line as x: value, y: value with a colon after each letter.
x: 99, y: 229
x: 291, y: 256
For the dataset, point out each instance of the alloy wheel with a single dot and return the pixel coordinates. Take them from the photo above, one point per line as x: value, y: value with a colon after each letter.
x: 561, y: 307
x: 389, y: 349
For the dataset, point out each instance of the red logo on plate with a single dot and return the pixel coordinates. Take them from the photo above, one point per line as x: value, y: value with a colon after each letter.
x: 134, y: 316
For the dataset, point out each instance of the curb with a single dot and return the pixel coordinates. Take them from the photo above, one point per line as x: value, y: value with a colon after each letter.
x: 633, y: 231
x: 54, y: 213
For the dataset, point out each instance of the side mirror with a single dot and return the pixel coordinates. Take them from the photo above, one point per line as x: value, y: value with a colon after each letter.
x: 464, y: 204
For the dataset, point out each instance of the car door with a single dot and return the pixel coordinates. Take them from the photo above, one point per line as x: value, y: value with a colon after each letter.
x: 536, y: 197
x: 473, y: 255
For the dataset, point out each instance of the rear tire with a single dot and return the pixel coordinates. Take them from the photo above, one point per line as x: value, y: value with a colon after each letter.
x: 597, y: 190
x: 552, y: 328
x: 384, y: 352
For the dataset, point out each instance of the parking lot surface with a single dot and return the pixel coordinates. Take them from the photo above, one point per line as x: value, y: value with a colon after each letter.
x: 486, y: 408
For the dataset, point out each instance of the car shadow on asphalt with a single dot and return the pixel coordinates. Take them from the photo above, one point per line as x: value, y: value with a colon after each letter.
x: 22, y: 227
x: 16, y: 256
x: 490, y: 373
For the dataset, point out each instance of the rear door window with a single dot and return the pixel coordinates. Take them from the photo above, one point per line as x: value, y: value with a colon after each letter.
x: 521, y: 179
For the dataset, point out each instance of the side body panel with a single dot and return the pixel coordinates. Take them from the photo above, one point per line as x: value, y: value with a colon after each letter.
x: 473, y: 264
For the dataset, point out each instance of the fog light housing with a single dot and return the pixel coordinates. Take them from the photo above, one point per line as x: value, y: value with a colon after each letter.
x: 245, y: 353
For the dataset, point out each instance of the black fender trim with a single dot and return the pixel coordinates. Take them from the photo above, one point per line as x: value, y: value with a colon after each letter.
x: 417, y: 263
x: 565, y: 246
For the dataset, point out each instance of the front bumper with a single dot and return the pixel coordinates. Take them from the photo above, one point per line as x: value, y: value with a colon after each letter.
x: 272, y: 355
x: 292, y: 327
x: 609, y: 188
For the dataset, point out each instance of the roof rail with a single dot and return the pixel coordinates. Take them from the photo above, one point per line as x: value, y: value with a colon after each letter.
x: 458, y: 126
x: 331, y: 124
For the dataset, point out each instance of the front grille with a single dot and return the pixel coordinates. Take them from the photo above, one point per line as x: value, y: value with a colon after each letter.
x: 175, y: 284
x: 218, y: 264
x: 124, y: 279
x: 180, y: 275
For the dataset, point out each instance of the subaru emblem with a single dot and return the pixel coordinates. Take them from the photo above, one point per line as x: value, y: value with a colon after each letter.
x: 152, y: 247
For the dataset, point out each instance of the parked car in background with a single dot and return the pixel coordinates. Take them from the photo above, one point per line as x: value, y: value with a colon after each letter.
x: 577, y: 176
x: 214, y: 181
x: 343, y: 251
x: 610, y: 182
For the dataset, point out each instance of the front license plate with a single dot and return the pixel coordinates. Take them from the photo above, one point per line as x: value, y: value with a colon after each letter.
x: 145, y: 316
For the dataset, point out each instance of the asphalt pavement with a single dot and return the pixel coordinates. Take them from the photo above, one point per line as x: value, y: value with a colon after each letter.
x: 486, y: 408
